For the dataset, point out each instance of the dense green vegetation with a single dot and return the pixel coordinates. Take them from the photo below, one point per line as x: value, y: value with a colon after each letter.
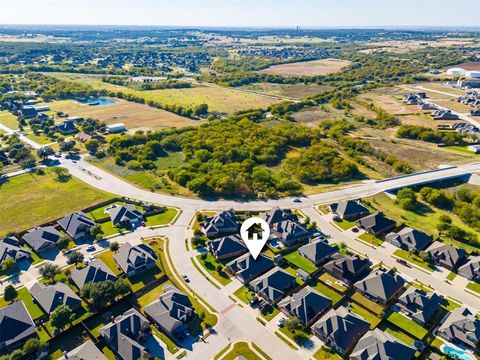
x: 423, y: 133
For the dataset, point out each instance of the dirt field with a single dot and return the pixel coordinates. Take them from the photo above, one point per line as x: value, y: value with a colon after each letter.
x: 294, y: 91
x: 134, y: 115
x: 221, y: 99
x: 314, y: 116
x: 308, y: 68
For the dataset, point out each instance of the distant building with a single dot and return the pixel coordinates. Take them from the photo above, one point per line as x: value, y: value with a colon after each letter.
x: 347, y: 269
x: 49, y: 297
x: 125, y: 215
x: 115, y: 128
x: 86, y: 351
x: 147, y: 79
x: 67, y: 127
x: 227, y: 247
x: 95, y: 271
x: 461, y: 327
x: 290, y: 233
x: 11, y: 248
x: 277, y: 215
x: 317, y: 252
x: 471, y: 270
x: 419, y: 305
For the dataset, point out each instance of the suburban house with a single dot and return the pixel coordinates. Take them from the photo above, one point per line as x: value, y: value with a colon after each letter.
x: 86, y: 351
x: 227, y: 247
x: 222, y: 224
x: 444, y: 115
x: 471, y: 270
x: 95, y: 271
x: 125, y: 333
x: 245, y: 268
x: 16, y: 325
x: 11, y: 248
x: 349, y: 210
x: 67, y: 127
x: 340, y: 329
x: 376, y: 224
x: 277, y: 215
x: 348, y: 269
x: 446, y: 255
x: 136, y: 259
x: 290, y: 233
x: 273, y: 285
x: 77, y: 225
x: 461, y: 327
x: 381, y: 286
x: 172, y: 311
x: 378, y: 344
x: 125, y: 215
x: 49, y: 297
x: 307, y: 305
x: 409, y: 239
x: 28, y: 112
x: 419, y: 305
x: 42, y: 238
x: 317, y: 252
x: 115, y: 128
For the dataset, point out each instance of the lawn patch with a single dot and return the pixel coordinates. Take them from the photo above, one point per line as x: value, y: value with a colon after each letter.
x: 329, y: 280
x: 407, y: 325
x: 414, y: 259
x: 211, y: 265
x: 367, y: 304
x: 474, y: 286
x: 365, y: 314
x: 344, y: 224
x: 325, y: 290
x: 371, y: 239
x: 162, y: 218
x: 108, y: 259
x: 244, y: 294
x: 300, y: 262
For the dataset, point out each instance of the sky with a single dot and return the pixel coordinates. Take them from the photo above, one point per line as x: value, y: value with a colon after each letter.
x: 238, y: 13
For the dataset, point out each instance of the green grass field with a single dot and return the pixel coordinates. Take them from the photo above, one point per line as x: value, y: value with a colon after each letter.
x: 367, y: 304
x: 325, y: 290
x: 163, y: 218
x: 210, y: 264
x: 300, y: 262
x: 474, y: 286
x: 107, y: 258
x: 218, y: 98
x: 414, y: 259
x: 24, y: 295
x: 239, y: 350
x: 28, y: 200
x: 407, y: 325
x: 369, y: 238
x: 244, y: 294
x: 9, y: 120
x: 365, y: 314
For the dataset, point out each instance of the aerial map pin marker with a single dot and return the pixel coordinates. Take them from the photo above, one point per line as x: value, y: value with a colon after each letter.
x: 255, y: 233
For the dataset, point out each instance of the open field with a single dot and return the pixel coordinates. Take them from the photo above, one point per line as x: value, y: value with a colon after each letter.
x: 315, y: 115
x: 397, y: 46
x: 296, y: 91
x: 41, y: 199
x: 9, y: 120
x: 133, y: 115
x: 308, y: 68
x: 218, y: 98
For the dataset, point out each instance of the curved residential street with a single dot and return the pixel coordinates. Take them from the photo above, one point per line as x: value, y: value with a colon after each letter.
x: 237, y: 322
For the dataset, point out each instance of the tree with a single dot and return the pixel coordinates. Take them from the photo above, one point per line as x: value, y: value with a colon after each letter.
x: 75, y: 257
x: 407, y: 199
x: 45, y: 152
x: 122, y: 287
x: 49, y: 271
x: 101, y: 293
x: 9, y: 265
x: 63, y: 242
x: 92, y: 146
x: 61, y: 317
x: 114, y: 246
x: 96, y: 231
x: 293, y: 323
x: 31, y: 346
x: 10, y: 293
x: 63, y: 175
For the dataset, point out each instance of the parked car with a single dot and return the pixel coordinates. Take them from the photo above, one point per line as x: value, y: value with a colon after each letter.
x: 281, y: 322
x: 402, y: 261
x: 253, y: 301
x: 355, y: 229
x: 297, y: 200
x: 91, y: 248
x: 185, y: 278
x: 418, y: 345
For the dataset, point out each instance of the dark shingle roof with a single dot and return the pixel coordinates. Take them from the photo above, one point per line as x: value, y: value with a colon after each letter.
x: 51, y: 296
x: 317, y: 251
x: 277, y: 215
x: 124, y: 213
x: 123, y: 334
x: 171, y: 310
x: 462, y: 326
x: 95, y: 271
x: 306, y: 304
x: 227, y: 245
x: 86, y: 351
x: 289, y: 231
x: 410, y: 238
x: 273, y: 284
x: 421, y: 305
x: 15, y: 324
x: 76, y: 223
x: 446, y: 254
x: 381, y: 284
x: 349, y: 208
x: 131, y: 258
x: 247, y: 268
x: 376, y: 222
x: 379, y: 345
x: 341, y: 327
x: 11, y: 248
x: 471, y: 270
x: 40, y: 238
x: 348, y: 267
x: 223, y: 222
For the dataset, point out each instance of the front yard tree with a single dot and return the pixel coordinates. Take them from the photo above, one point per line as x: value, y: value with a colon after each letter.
x: 9, y: 265
x: 92, y: 146
x: 293, y: 324
x: 101, y: 293
x: 45, y: 152
x: 63, y: 242
x: 10, y: 293
x: 75, y: 257
x: 114, y: 246
x: 49, y: 271
x: 61, y: 317
x: 121, y: 287
x: 96, y: 231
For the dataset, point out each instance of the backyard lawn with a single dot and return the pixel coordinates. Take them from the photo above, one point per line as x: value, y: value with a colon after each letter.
x: 325, y: 290
x: 24, y: 295
x: 367, y: 304
x: 153, y: 294
x: 300, y: 262
x: 407, y: 325
x: 371, y: 239
x: 107, y: 258
x: 365, y: 314
x: 298, y: 336
x: 332, y: 282
x: 43, y: 198
x: 210, y: 264
x: 344, y: 224
x: 163, y: 218
x: 400, y: 335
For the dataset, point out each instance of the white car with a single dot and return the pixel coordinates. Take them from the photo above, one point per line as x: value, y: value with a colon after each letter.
x: 281, y: 322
